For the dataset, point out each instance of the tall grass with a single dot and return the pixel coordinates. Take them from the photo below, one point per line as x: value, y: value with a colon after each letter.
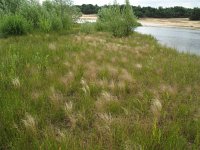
x: 93, y: 91
x: 97, y: 92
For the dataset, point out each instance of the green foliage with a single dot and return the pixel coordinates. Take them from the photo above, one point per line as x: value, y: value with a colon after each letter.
x: 195, y: 15
x: 119, y: 22
x: 89, y: 9
x: 57, y: 91
x: 67, y: 22
x: 87, y: 28
x: 32, y: 12
x: 11, y: 6
x: 56, y: 24
x: 14, y: 25
x: 45, y: 24
x: 141, y: 12
x: 50, y: 16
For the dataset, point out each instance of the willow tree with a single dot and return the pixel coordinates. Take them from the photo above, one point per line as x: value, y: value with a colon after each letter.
x: 116, y: 20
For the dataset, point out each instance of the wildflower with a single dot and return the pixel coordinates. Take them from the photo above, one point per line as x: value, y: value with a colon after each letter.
x: 16, y: 82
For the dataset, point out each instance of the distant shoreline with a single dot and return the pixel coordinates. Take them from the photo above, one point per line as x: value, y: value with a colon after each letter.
x: 164, y: 22
x: 170, y: 22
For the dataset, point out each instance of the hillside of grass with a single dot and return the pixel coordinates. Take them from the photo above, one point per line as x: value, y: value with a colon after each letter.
x: 79, y: 91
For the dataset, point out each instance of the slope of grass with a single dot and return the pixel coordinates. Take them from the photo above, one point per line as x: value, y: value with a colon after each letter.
x: 97, y: 92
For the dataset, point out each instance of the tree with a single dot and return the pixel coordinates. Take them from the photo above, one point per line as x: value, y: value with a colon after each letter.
x: 11, y: 6
x: 119, y: 21
x: 195, y: 15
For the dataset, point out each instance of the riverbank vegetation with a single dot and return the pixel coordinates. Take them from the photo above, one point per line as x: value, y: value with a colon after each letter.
x: 149, y: 12
x: 23, y: 16
x: 72, y: 89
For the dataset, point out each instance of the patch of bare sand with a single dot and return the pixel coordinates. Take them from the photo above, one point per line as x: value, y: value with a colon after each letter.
x: 172, y: 22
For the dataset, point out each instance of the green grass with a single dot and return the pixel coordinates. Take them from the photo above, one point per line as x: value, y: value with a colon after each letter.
x: 77, y: 91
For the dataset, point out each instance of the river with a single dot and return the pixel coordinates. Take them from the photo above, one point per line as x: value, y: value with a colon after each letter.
x: 184, y: 40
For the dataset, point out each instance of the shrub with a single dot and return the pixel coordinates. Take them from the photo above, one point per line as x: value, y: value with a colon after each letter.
x: 45, y: 24
x: 67, y: 22
x: 119, y: 22
x: 31, y: 13
x: 57, y: 24
x: 87, y: 28
x: 14, y: 25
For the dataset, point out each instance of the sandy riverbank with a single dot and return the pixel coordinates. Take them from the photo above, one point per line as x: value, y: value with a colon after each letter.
x: 172, y: 22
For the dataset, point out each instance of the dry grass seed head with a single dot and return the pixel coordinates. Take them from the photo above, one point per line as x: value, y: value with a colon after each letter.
x: 100, y: 55
x: 55, y: 96
x: 104, y: 99
x: 68, y: 107
x: 138, y: 66
x: 102, y: 83
x: 85, y: 86
x: 125, y: 76
x: 107, y: 96
x: 91, y: 71
x: 112, y: 85
x: 35, y: 95
x: 121, y: 85
x: 124, y: 59
x: 106, y: 118
x: 16, y: 83
x: 112, y: 70
x: 67, y: 64
x: 60, y: 135
x: 67, y: 79
x: 169, y: 89
x: 52, y: 46
x: 197, y: 115
x: 30, y: 123
x: 156, y: 108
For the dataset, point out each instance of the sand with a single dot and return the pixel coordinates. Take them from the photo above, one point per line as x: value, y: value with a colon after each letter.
x: 172, y: 22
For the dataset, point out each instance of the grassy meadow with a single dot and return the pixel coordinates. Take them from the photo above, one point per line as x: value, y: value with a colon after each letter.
x: 94, y: 91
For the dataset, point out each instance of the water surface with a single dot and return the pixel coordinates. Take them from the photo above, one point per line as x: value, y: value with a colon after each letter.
x: 184, y: 40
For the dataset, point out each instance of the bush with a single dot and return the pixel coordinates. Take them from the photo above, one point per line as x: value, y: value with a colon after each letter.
x: 67, y: 22
x: 45, y: 24
x: 57, y: 24
x: 14, y: 25
x: 87, y: 28
x: 31, y: 10
x: 119, y: 22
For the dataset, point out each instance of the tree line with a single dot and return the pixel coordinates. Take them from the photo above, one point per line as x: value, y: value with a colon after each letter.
x: 142, y: 12
x: 21, y: 16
